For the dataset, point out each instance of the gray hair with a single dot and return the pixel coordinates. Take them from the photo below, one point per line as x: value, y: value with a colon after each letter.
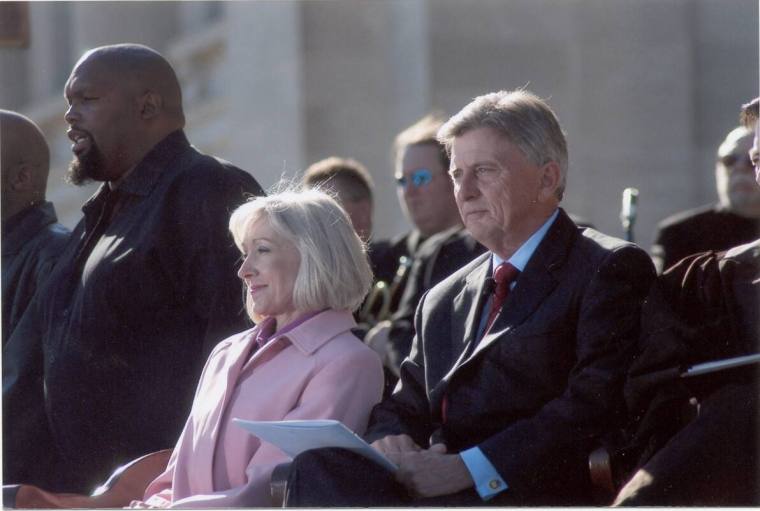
x: 733, y: 139
x: 334, y: 271
x: 523, y: 118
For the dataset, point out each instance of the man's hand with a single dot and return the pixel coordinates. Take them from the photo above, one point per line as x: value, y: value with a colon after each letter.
x: 431, y: 472
x: 395, y: 444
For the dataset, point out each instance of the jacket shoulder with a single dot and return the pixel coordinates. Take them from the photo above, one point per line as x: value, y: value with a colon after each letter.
x: 209, y: 171
x: 51, y: 240
x: 683, y: 219
x: 456, y: 281
x: 594, y: 251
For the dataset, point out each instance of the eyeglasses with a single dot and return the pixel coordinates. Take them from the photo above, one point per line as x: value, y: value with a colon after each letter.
x: 420, y: 178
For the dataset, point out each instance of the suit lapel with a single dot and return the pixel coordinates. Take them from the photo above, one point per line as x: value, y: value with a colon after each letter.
x: 472, y: 293
x: 533, y: 286
x: 463, y: 311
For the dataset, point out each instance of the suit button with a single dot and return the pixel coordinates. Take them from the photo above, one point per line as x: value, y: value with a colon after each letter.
x: 494, y: 484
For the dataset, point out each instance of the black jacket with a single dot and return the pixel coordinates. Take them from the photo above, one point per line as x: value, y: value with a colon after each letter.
x: 437, y: 258
x: 699, y: 230
x: 32, y: 243
x: 130, y: 314
x: 545, y: 382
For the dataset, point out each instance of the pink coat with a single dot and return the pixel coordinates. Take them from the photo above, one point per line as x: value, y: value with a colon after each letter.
x: 318, y: 370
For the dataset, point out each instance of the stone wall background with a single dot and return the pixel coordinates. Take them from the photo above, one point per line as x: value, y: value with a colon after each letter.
x: 645, y: 89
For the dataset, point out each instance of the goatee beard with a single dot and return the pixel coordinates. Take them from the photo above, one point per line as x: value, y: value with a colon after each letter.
x: 86, y: 168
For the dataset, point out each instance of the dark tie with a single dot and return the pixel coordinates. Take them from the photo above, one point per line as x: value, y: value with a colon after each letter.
x: 503, y: 275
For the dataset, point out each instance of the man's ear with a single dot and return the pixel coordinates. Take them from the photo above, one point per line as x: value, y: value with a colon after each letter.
x: 20, y: 178
x: 150, y: 105
x: 551, y: 176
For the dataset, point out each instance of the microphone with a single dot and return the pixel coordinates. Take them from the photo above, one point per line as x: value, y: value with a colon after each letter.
x: 629, y: 211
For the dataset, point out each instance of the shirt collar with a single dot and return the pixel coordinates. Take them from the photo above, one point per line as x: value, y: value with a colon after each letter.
x: 145, y: 175
x: 523, y: 254
x: 142, y: 179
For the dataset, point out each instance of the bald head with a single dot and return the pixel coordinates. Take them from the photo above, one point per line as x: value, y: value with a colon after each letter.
x: 24, y: 161
x: 138, y: 69
x: 734, y: 174
x: 123, y: 100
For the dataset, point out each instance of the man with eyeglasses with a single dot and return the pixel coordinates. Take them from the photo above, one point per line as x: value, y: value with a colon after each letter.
x: 436, y: 247
x: 424, y: 192
x: 695, y: 441
x: 734, y: 220
x: 519, y: 357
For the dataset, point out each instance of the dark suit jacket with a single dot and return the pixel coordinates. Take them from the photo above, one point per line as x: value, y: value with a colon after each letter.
x: 545, y: 382
x: 437, y: 258
x: 115, y: 341
x: 32, y: 243
x: 699, y: 230
x: 704, y: 308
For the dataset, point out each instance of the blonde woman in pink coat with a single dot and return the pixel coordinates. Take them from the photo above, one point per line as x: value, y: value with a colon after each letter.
x: 304, y: 270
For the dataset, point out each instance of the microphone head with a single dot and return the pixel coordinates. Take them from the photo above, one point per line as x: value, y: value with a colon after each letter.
x: 630, y: 200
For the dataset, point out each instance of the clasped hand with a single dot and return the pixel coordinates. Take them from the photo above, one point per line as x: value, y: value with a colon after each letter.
x: 425, y: 472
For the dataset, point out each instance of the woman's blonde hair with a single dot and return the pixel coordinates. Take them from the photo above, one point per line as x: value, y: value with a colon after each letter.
x: 334, y: 271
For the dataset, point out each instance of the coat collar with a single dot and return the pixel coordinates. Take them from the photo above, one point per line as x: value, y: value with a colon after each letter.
x: 307, y: 337
x: 312, y: 334
x: 144, y: 177
x: 25, y: 225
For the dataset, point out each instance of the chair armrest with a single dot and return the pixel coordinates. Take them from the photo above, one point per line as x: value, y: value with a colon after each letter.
x: 145, y: 468
x: 129, y: 481
x: 126, y: 484
x: 278, y: 484
x: 27, y: 496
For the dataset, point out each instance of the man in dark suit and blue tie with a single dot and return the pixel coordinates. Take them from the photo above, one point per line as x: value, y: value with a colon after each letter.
x: 501, y: 403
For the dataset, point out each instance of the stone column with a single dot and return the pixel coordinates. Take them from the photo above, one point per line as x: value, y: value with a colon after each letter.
x: 265, y: 105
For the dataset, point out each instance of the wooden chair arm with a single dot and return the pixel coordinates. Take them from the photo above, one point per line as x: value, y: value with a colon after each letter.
x: 126, y: 484
x: 129, y: 481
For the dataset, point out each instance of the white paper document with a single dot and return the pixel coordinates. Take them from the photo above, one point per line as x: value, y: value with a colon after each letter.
x: 295, y: 437
x: 720, y: 365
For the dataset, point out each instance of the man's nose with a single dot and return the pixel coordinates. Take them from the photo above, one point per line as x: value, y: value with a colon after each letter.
x: 408, y: 186
x: 71, y: 114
